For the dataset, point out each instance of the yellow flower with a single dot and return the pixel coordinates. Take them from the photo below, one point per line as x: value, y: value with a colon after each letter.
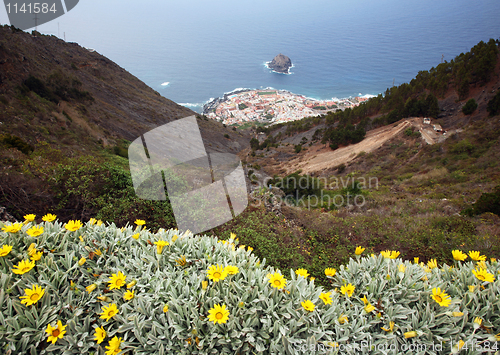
x: 35, y: 231
x: 493, y: 260
x: 12, y: 228
x: 432, y: 263
x: 365, y: 300
x: 174, y: 238
x: 32, y: 249
x: 216, y: 273
x: 386, y: 254
x: 49, y: 217
x: 326, y: 297
x: 359, y: 250
x: 55, y: 333
x: 401, y: 268
x: 23, y: 267
x: 394, y: 254
x: 36, y: 256
x: 165, y: 308
x: 461, y: 343
x: 98, y: 252
x: 476, y: 256
x: 458, y: 255
x: 131, y: 284
x: 218, y: 314
x: 231, y: 270
x: 32, y: 296
x: 114, y: 346
x: 92, y: 221
x: 99, y: 222
x: 302, y: 272
x: 91, y: 288
x: 477, y: 322
x: 308, y: 305
x: 415, y: 260
x: 81, y: 239
x: 30, y: 217
x: 73, y: 226
x: 99, y: 334
x: 457, y: 314
x: 481, y: 265
x: 104, y: 298
x: 159, y: 245
x: 440, y: 297
x: 109, y: 312
x: 349, y: 290
x: 82, y: 261
x: 136, y: 236
x: 140, y: 222
x: 250, y: 248
x: 117, y: 280
x: 471, y: 288
x: 128, y: 295
x: 343, y: 319
x: 277, y: 280
x: 391, y: 327
x: 5, y: 250
x: 410, y: 334
x: 204, y: 285
x: 369, y: 307
x: 330, y: 272
x: 483, y: 275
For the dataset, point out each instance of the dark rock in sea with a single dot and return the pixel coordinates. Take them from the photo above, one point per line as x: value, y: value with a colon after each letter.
x: 280, y: 64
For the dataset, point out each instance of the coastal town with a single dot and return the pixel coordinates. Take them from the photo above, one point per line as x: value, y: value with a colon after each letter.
x: 271, y: 106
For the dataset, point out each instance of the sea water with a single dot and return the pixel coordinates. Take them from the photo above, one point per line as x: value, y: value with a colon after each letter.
x: 191, y: 51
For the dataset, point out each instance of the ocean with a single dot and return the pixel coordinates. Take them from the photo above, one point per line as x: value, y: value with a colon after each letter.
x: 191, y: 51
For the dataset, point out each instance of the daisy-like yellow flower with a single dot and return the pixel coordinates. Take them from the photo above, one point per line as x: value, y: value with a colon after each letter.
x: 391, y: 327
x: 30, y: 217
x: 91, y: 288
x: 483, y: 275
x: 109, y: 312
x: 216, y: 273
x: 277, y: 280
x: 12, y: 228
x: 365, y: 300
x: 114, y: 346
x: 159, y: 245
x: 458, y: 255
x: 343, y: 319
x: 359, y: 250
x: 99, y: 222
x: 308, y: 305
x: 55, y: 332
x: 231, y: 270
x: 23, y: 267
x: 481, y: 265
x: 302, y: 272
x: 204, y: 285
x: 181, y: 261
x: 471, y: 288
x: 82, y: 261
x: 432, y: 263
x: 326, y: 297
x: 250, y: 248
x: 165, y: 308
x: 35, y: 231
x: 99, y: 334
x: 218, y: 314
x: 347, y: 290
x: 36, y: 256
x: 73, y: 226
x: 394, y: 254
x: 330, y: 272
x: 476, y: 256
x: 386, y: 254
x: 140, y: 222
x: 116, y: 280
x: 104, y: 298
x: 49, y: 217
x: 410, y: 334
x: 440, y: 297
x: 5, y: 250
x: 131, y: 284
x: 98, y: 252
x: 136, y: 236
x: 477, y: 322
x: 415, y: 260
x: 493, y: 260
x: 92, y: 221
x: 401, y: 268
x: 174, y: 238
x: 32, y: 296
x: 128, y: 295
x: 369, y: 307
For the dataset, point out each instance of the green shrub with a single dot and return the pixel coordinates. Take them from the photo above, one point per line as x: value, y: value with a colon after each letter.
x: 16, y: 142
x: 493, y: 106
x: 469, y: 107
x: 173, y: 298
x: 488, y: 202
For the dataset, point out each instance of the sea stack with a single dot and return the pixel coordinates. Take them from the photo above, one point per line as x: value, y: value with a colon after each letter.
x: 280, y: 64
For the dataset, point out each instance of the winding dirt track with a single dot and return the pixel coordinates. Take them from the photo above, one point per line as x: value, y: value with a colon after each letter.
x: 319, y: 158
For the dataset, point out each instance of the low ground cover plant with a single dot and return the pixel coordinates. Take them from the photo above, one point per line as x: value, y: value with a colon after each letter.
x: 78, y: 288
